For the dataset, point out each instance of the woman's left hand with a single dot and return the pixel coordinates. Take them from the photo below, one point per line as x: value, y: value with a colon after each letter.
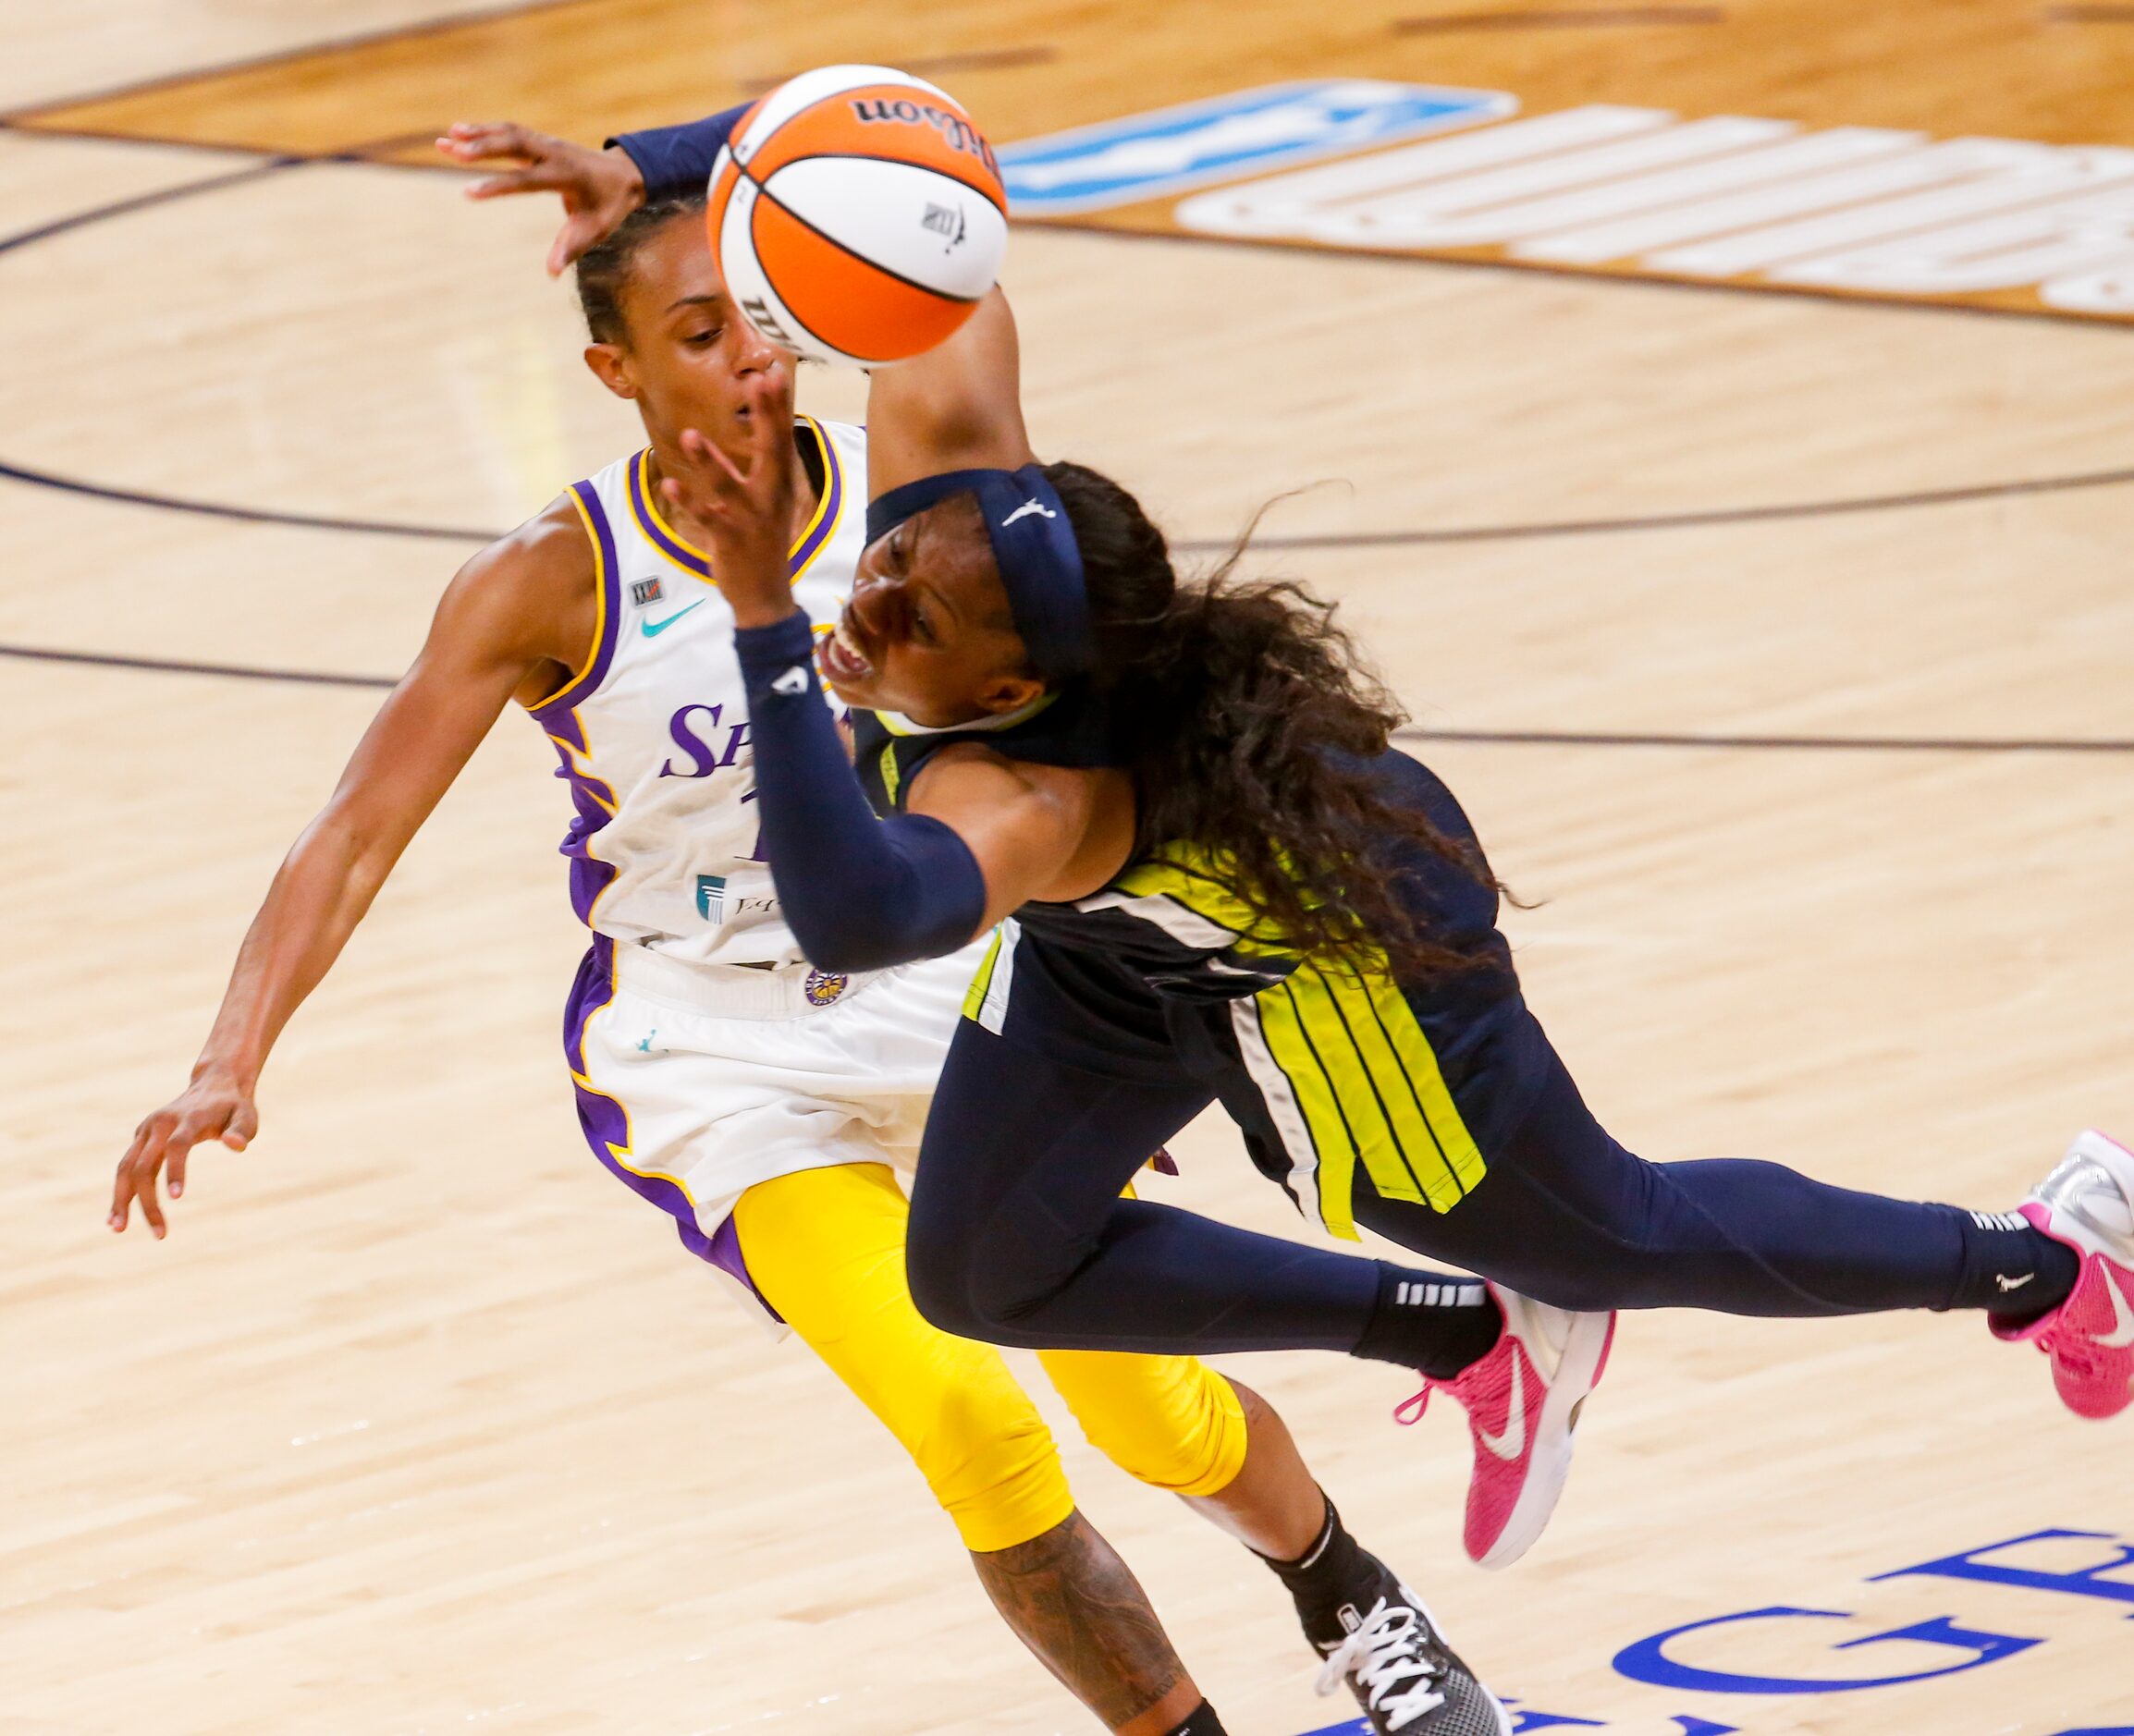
x: 744, y: 501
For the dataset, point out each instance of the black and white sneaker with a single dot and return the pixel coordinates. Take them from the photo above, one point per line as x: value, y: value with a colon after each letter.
x: 1394, y: 1658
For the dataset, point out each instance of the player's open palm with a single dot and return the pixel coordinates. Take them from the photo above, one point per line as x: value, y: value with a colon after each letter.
x: 598, y: 187
x: 742, y: 495
x: 211, y: 1108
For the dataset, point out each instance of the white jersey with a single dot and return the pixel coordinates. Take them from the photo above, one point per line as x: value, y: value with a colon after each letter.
x: 652, y: 730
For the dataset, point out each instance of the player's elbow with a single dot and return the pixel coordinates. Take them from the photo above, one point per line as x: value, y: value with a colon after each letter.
x: 832, y: 943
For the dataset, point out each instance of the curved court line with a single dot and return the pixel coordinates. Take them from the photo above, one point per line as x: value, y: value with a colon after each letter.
x: 1502, y: 738
x: 141, y: 201
x: 1691, y: 520
x: 172, y: 666
x: 242, y: 515
x: 1538, y: 531
x: 1820, y: 744
x: 1541, y: 530
x: 1535, y: 738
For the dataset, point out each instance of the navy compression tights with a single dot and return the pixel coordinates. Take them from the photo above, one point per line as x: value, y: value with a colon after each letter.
x: 1018, y: 1234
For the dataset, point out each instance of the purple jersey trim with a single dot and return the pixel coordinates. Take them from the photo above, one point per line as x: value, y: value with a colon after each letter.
x: 819, y: 530
x: 592, y: 802
x: 588, y: 680
x: 605, y: 1124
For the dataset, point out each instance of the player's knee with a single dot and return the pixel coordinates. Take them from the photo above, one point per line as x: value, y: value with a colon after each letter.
x: 1007, y: 1492
x: 1169, y: 1422
x: 961, y: 1286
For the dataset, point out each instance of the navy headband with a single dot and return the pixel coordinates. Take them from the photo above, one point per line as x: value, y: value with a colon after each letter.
x: 1035, y: 548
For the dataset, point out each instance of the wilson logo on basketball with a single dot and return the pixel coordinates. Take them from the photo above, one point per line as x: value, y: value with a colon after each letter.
x: 959, y: 132
x: 856, y: 215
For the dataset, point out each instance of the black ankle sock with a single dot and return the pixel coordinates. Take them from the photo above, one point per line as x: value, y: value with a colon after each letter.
x: 1428, y: 1321
x: 1325, y: 1573
x: 2012, y: 1269
x: 1200, y: 1721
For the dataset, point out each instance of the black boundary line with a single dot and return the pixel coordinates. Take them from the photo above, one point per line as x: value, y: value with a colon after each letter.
x: 276, y: 163
x: 1960, y: 496
x: 281, y: 56
x: 141, y: 201
x: 25, y: 120
x: 171, y: 666
x: 1364, y: 539
x: 1189, y: 545
x: 1483, y: 738
x: 1861, y: 744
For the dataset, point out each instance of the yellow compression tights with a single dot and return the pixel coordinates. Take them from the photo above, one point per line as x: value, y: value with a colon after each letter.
x: 826, y: 1247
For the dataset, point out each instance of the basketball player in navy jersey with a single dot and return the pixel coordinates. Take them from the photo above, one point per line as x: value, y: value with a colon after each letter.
x: 1211, y: 878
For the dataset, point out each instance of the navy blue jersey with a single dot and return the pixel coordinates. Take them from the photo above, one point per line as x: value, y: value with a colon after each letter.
x: 1325, y: 1061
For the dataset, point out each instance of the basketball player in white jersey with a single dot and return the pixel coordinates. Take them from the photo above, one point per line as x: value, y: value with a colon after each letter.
x: 756, y: 1100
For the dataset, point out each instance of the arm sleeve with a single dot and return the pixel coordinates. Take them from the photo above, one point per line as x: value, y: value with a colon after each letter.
x: 676, y: 161
x: 861, y: 893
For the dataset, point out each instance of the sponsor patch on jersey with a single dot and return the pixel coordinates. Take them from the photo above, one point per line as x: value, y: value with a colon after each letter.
x: 824, y: 986
x: 645, y: 591
x: 1269, y: 126
x: 711, y: 897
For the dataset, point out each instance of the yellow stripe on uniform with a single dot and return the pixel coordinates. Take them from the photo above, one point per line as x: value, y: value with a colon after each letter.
x: 891, y: 776
x: 1416, y: 1063
x: 1282, y: 1023
x: 1190, y: 877
x: 1367, y: 1082
x: 975, y: 996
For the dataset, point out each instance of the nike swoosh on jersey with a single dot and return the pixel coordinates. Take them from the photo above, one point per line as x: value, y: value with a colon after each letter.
x: 1512, y: 1441
x: 654, y: 629
x: 2123, y: 1335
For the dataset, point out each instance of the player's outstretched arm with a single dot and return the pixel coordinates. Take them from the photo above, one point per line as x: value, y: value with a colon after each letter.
x: 598, y: 187
x: 494, y: 632
x: 957, y: 407
x: 860, y: 893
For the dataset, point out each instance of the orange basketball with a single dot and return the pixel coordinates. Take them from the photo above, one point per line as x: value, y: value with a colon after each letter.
x: 857, y: 215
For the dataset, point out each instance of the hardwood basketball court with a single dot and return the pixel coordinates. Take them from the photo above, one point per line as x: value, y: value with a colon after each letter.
x: 1774, y: 629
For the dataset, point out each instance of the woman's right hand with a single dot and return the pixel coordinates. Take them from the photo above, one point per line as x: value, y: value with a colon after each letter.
x: 598, y: 187
x: 213, y: 1106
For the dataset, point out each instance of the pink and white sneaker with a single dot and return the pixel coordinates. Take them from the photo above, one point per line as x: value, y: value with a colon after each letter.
x: 2088, y: 1203
x: 1522, y: 1402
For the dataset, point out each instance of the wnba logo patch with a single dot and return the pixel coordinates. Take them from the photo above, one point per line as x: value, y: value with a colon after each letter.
x: 824, y: 986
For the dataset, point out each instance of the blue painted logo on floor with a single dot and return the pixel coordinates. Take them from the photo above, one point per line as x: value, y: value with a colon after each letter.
x: 1247, y: 132
x: 2086, y: 1566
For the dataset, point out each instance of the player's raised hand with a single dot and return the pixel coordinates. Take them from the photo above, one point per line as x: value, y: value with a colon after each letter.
x: 598, y: 187
x: 742, y: 495
x: 213, y: 1107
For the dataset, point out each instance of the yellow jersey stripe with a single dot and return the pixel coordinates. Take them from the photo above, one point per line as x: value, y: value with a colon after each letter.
x: 975, y: 996
x: 1281, y: 1021
x: 1355, y: 1089
x: 1421, y: 1144
x: 1418, y: 1066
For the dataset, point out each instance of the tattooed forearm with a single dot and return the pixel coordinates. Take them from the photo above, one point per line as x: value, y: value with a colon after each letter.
x: 1076, y: 1604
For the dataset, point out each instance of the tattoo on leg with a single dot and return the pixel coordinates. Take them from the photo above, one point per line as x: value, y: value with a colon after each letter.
x: 1078, y: 1607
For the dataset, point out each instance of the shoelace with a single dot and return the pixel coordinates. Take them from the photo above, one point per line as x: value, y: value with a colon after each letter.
x: 1409, y: 1412
x: 1383, y: 1653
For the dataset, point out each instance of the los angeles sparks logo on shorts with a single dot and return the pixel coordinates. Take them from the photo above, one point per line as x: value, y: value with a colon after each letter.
x: 824, y: 986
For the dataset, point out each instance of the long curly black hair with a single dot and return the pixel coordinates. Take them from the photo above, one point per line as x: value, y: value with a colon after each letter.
x: 1251, y: 715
